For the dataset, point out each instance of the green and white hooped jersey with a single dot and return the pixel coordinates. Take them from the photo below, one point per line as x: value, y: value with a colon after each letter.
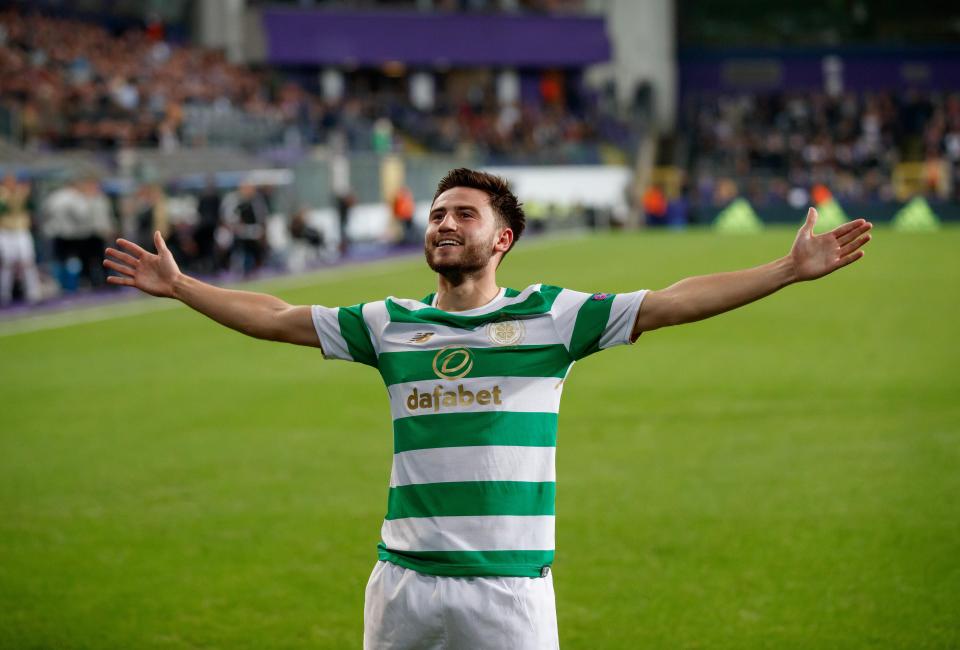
x: 474, y: 397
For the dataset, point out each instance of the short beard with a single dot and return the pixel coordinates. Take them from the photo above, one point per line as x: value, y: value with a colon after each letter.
x: 473, y: 258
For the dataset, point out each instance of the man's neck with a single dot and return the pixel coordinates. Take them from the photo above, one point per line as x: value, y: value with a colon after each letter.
x: 469, y: 292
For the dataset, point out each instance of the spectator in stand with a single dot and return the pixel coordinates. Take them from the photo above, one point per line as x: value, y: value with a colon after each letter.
x: 655, y: 206
x: 17, y: 253
x: 403, y: 209
x: 181, y: 211
x: 101, y: 217
x: 678, y: 209
x: 307, y: 242
x: 151, y: 214
x: 208, y: 219
x: 343, y: 196
x: 248, y: 221
x: 79, y: 220
x: 64, y: 224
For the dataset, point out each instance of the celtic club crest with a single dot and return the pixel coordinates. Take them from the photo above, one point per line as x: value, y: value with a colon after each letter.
x: 506, y: 332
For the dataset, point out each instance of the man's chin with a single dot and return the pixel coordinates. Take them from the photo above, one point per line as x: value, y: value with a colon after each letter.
x: 447, y: 268
x: 451, y: 267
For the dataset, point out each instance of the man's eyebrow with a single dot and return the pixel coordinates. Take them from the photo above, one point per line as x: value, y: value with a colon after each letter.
x: 455, y: 207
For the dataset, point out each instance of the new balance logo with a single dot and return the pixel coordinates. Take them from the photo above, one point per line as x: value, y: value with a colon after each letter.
x: 420, y: 337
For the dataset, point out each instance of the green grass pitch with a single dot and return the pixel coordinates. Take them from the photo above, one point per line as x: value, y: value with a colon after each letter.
x: 783, y: 476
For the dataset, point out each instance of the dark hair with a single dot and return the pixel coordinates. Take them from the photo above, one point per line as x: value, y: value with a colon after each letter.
x: 503, y: 201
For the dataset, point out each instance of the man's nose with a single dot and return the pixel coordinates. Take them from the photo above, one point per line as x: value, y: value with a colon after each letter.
x: 448, y: 222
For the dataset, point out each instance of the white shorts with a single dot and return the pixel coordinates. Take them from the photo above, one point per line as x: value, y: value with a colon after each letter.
x: 16, y: 247
x: 404, y: 610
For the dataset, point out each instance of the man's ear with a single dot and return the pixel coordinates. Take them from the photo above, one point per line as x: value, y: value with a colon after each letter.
x: 503, y: 243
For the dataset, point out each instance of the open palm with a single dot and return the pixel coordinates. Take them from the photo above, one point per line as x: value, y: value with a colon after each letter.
x: 153, y: 274
x: 815, y: 256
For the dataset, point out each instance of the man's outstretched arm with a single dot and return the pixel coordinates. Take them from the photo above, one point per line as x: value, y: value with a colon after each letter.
x: 254, y: 314
x: 812, y: 256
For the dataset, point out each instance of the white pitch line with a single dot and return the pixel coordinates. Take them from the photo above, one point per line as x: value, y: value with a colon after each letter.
x: 139, y: 305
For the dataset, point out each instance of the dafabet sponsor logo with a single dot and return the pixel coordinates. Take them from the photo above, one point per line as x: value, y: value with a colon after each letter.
x: 450, y: 364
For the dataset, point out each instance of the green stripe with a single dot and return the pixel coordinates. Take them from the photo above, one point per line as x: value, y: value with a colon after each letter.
x: 429, y: 299
x: 353, y: 329
x: 591, y: 321
x: 475, y: 430
x: 538, y: 302
x: 471, y: 499
x: 526, y: 564
x: 512, y: 361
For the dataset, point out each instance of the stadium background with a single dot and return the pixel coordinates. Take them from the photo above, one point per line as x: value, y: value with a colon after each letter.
x: 781, y: 476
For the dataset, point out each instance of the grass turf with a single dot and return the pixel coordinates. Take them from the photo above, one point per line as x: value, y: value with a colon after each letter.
x: 782, y: 476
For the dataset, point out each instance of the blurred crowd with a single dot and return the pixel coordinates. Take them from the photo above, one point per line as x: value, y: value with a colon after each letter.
x: 848, y: 142
x: 75, y: 84
x: 557, y: 128
x: 67, y: 87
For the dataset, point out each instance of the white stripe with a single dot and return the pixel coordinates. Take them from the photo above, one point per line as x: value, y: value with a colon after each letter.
x: 398, y: 337
x: 564, y: 312
x: 327, y: 324
x: 516, y: 394
x: 408, y: 303
x: 623, y: 315
x: 376, y: 318
x: 489, y: 463
x: 490, y: 533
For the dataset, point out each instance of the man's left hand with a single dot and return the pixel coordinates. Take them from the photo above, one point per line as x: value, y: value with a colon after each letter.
x: 814, y: 256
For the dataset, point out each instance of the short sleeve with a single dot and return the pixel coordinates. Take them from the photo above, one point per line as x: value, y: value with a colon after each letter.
x: 344, y: 333
x: 588, y: 323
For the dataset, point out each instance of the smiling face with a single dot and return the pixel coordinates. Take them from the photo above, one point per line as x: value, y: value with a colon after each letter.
x: 464, y: 234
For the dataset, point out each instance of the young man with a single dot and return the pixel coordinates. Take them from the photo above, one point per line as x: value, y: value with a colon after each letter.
x: 474, y: 374
x: 17, y: 252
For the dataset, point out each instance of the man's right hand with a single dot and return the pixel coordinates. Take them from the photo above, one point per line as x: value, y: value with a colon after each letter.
x: 254, y: 314
x: 153, y: 274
